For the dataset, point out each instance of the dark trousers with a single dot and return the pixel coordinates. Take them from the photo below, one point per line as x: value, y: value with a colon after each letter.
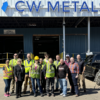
x: 18, y: 87
x: 7, y: 85
x: 43, y: 82
x: 75, y: 87
x: 48, y: 81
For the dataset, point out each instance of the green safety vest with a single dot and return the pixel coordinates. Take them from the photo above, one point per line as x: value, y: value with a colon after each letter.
x: 35, y: 73
x: 13, y: 62
x: 42, y: 66
x: 55, y: 63
x: 45, y: 61
x: 9, y: 72
x: 28, y: 66
x: 50, y: 73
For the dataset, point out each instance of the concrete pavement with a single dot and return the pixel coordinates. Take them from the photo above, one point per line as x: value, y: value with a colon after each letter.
x: 91, y: 94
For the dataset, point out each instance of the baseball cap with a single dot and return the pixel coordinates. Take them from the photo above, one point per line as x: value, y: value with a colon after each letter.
x: 67, y: 55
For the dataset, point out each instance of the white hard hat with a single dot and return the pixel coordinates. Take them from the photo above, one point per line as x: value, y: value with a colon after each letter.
x: 67, y: 55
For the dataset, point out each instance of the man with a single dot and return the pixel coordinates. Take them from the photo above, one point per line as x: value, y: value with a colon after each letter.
x: 50, y: 74
x: 67, y: 62
x: 57, y: 63
x: 27, y: 64
x: 46, y: 58
x: 62, y: 74
x: 74, y: 69
x: 43, y: 81
x: 13, y: 63
x: 81, y: 73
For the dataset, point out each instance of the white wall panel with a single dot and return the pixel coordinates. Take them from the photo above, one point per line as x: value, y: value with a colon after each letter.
x: 43, y: 11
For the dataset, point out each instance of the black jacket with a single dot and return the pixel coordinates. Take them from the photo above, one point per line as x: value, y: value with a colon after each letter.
x: 62, y: 70
x: 19, y: 73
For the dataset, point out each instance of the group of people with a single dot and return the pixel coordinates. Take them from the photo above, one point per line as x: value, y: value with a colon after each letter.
x: 44, y: 72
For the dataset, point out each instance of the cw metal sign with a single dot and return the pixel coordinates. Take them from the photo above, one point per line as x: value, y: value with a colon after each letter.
x: 65, y: 6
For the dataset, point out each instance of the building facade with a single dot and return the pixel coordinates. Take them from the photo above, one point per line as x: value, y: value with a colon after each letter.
x: 39, y: 26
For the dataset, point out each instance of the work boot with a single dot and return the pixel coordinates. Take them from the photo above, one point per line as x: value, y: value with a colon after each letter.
x: 56, y: 89
x: 84, y: 91
x: 24, y: 92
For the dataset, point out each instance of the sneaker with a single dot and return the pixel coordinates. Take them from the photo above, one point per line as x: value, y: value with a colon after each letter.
x: 64, y: 95
x: 61, y: 94
x: 53, y: 94
x: 41, y: 95
x: 76, y: 95
x: 48, y: 94
x: 31, y: 93
x: 9, y: 94
x: 6, y: 95
x: 34, y: 94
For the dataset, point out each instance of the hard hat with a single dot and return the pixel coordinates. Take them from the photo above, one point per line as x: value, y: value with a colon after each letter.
x: 36, y: 58
x: 67, y: 55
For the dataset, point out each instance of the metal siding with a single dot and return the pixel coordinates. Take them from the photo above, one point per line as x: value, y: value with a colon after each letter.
x: 28, y: 43
x: 74, y: 43
x: 43, y: 12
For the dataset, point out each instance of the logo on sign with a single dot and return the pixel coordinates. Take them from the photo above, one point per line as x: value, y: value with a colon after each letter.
x: 4, y: 6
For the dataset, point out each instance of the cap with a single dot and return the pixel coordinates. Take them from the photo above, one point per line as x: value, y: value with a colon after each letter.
x: 67, y: 55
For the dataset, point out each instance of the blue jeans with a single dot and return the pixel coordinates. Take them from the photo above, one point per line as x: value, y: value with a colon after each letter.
x: 75, y: 83
x: 57, y: 84
x: 7, y: 85
x: 63, y: 84
x: 38, y: 83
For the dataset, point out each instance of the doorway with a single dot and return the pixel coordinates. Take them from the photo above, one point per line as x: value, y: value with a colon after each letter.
x: 46, y: 44
x: 10, y: 44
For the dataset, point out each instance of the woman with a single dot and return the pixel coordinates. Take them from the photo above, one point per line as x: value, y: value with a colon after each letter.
x: 74, y: 69
x: 43, y: 81
x: 7, y: 76
x: 19, y: 77
x: 35, y: 74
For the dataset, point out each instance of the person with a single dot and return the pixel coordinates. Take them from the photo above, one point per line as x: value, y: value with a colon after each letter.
x: 74, y: 69
x: 20, y: 54
x: 19, y: 74
x: 7, y: 76
x: 34, y: 73
x: 13, y: 63
x: 50, y: 74
x: 67, y: 62
x: 46, y: 58
x: 81, y: 73
x: 27, y: 64
x: 62, y: 74
x: 57, y: 63
x: 43, y: 81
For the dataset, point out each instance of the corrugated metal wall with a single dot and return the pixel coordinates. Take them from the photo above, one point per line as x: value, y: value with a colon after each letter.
x: 74, y: 43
